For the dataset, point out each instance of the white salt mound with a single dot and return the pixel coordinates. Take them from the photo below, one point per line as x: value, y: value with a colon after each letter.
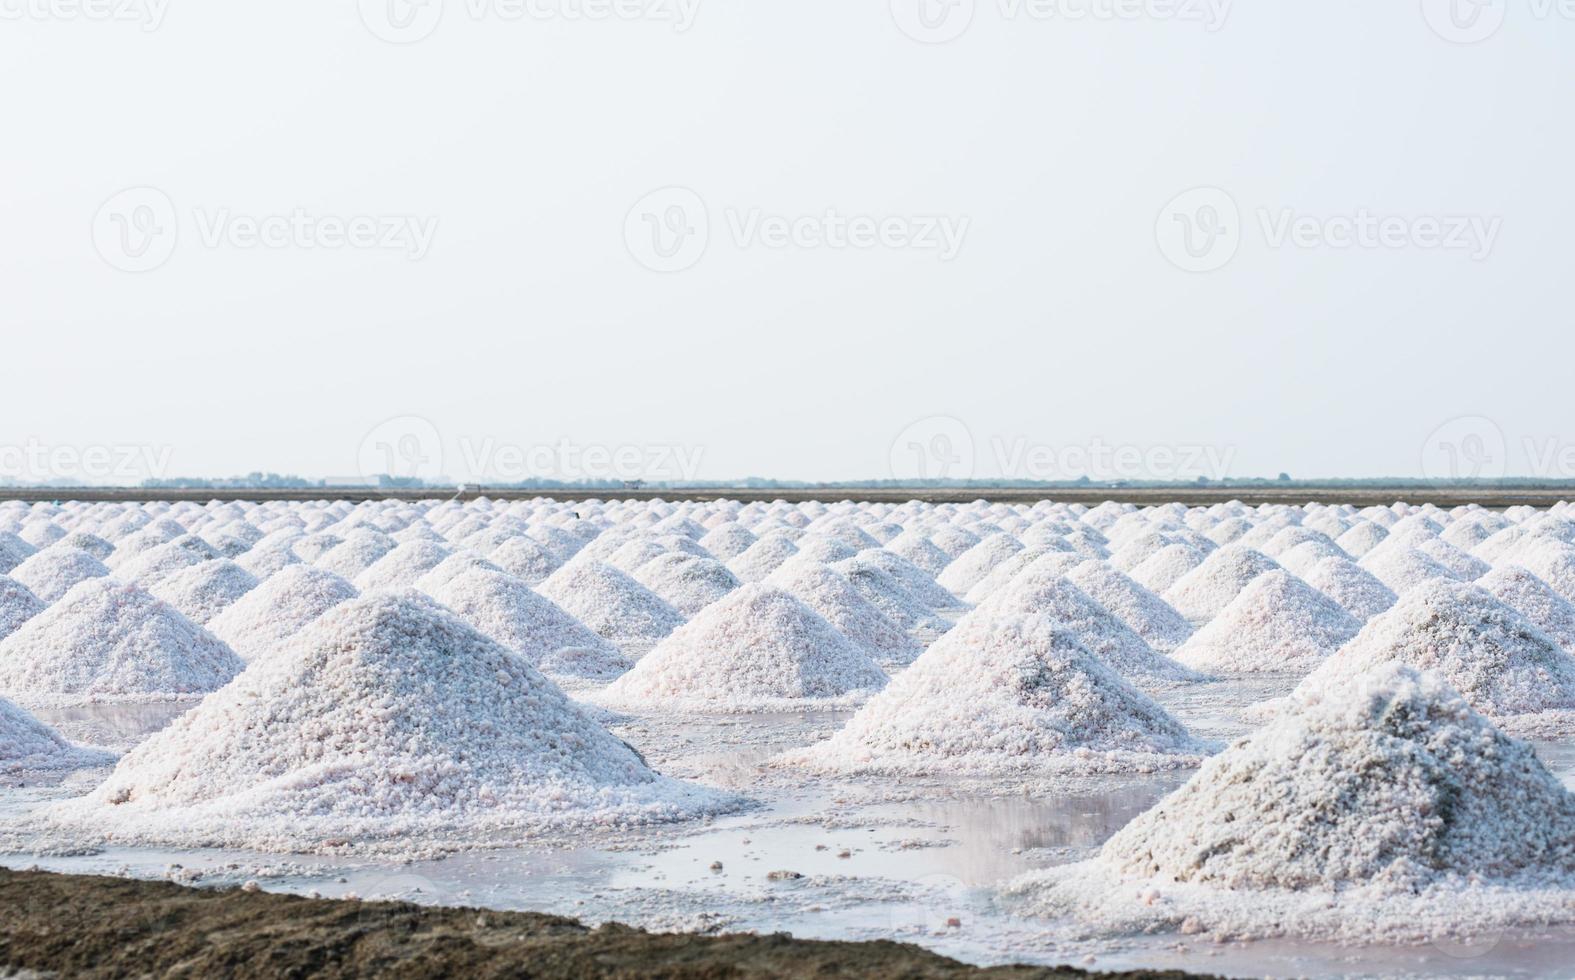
x: 1495, y: 657
x: 688, y: 582
x: 53, y: 572
x: 277, y: 609
x: 614, y: 605
x: 1149, y: 616
x: 841, y: 605
x: 967, y: 569
x: 17, y: 605
x: 1092, y: 625
x: 1009, y: 693
x: 203, y: 591
x: 1278, y: 624
x: 1381, y: 808
x: 1357, y: 590
x: 1200, y: 594
x: 387, y: 720
x: 918, y: 550
x: 105, y: 640
x: 1165, y: 567
x: 883, y: 591
x: 1403, y: 569
x: 505, y: 609
x: 756, y: 649
x: 401, y: 566
x: 28, y: 745
x: 1536, y: 600
x: 762, y: 558
x: 13, y: 551
x: 525, y: 558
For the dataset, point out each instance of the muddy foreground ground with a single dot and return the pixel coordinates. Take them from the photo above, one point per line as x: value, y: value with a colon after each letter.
x: 83, y: 926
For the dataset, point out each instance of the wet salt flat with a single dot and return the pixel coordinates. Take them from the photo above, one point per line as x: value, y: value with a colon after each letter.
x: 843, y: 859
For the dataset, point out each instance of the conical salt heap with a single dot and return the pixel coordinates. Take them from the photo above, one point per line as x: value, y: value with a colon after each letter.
x: 758, y: 648
x: 17, y: 605
x: 1357, y: 590
x: 388, y: 719
x: 689, y: 583
x: 1278, y: 624
x: 1536, y: 600
x: 1006, y: 693
x: 105, y: 640
x: 617, y: 607
x: 276, y: 610
x: 203, y: 591
x: 1200, y: 594
x: 1392, y: 781
x: 56, y: 570
x: 1494, y: 656
x: 28, y: 745
x: 841, y: 605
x: 505, y: 609
x: 1149, y: 616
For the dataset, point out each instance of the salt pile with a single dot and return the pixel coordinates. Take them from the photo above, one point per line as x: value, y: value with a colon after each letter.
x: 1357, y: 591
x: 1003, y: 573
x: 1554, y: 563
x: 1092, y: 625
x: 919, y: 550
x: 1383, y: 807
x: 162, y: 561
x: 882, y: 590
x: 17, y: 605
x: 1403, y: 569
x: 688, y: 583
x: 1200, y: 594
x: 106, y: 641
x: 1008, y: 693
x: 1149, y: 616
x: 727, y: 541
x: 1501, y: 663
x: 757, y: 649
x: 969, y: 568
x: 1165, y: 567
x: 913, y: 579
x: 1361, y: 539
x: 276, y: 610
x: 28, y: 745
x: 1278, y: 624
x: 505, y: 609
x: 270, y: 555
x: 13, y: 551
x: 390, y: 721
x: 614, y: 605
x: 525, y: 558
x: 762, y: 558
x: 1534, y: 599
x: 952, y: 540
x: 361, y: 547
x: 841, y: 605
x: 203, y: 591
x: 400, y: 567
x: 90, y: 543
x: 51, y: 573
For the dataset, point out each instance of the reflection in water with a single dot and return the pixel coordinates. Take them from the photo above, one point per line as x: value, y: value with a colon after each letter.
x: 118, y: 726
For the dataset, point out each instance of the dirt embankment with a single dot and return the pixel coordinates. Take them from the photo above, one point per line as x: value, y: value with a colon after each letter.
x: 81, y: 926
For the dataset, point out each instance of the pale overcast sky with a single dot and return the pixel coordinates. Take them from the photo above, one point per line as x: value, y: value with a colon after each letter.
x: 826, y: 239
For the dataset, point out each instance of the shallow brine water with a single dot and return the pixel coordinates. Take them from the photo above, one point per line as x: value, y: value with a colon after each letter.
x: 912, y: 859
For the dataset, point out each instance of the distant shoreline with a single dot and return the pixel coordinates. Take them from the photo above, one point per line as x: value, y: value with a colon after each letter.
x: 1484, y: 496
